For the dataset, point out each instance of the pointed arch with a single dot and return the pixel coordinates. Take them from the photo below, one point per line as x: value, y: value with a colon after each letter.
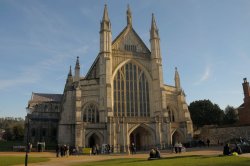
x: 177, y: 135
x: 96, y: 135
x: 172, y: 113
x: 135, y: 62
x: 131, y: 90
x: 141, y: 125
x: 142, y: 136
x: 90, y: 112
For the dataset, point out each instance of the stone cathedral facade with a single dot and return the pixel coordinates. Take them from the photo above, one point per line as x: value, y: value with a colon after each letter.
x: 123, y: 99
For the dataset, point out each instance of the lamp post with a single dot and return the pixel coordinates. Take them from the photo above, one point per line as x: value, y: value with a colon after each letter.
x: 27, y: 136
x: 27, y: 143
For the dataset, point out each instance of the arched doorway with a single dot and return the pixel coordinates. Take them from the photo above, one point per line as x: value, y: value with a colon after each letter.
x: 177, y: 137
x: 94, y: 140
x: 142, y: 137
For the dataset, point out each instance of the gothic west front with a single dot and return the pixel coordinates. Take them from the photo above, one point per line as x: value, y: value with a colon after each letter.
x: 121, y: 100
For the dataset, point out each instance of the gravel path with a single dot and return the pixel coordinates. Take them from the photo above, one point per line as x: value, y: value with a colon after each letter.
x: 66, y: 161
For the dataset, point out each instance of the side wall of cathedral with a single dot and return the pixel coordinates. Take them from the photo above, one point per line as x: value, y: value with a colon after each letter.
x: 66, y: 126
x: 42, y: 118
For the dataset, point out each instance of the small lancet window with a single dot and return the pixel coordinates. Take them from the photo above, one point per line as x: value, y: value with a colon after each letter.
x: 171, y: 115
x: 128, y: 47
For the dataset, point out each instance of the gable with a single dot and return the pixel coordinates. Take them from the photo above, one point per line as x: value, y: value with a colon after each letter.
x: 128, y: 40
x: 93, y: 72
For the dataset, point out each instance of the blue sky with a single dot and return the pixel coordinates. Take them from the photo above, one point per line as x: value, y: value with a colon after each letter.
x: 208, y: 40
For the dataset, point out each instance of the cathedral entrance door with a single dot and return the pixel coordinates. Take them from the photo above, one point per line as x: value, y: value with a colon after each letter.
x: 177, y: 137
x: 142, y: 137
x: 94, y: 140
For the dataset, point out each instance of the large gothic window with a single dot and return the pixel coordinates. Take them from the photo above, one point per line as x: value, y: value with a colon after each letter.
x: 131, y: 92
x: 91, y: 113
x: 171, y: 115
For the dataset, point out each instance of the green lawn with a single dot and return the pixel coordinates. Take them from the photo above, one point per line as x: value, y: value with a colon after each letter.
x: 13, y: 160
x: 176, y: 161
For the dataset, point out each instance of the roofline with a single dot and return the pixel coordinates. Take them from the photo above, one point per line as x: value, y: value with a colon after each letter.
x: 123, y: 31
x: 47, y: 93
x: 92, y: 66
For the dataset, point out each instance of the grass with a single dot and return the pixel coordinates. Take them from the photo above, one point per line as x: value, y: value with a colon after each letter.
x: 14, y: 160
x: 175, y: 161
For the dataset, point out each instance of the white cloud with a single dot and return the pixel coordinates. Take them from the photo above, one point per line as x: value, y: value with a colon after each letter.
x: 205, y: 76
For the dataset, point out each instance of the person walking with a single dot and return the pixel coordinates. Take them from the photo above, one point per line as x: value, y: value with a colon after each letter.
x: 179, y: 147
x: 176, y: 145
x: 208, y: 142
x: 67, y: 150
x: 57, y: 150
x: 133, y: 148
x: 94, y: 150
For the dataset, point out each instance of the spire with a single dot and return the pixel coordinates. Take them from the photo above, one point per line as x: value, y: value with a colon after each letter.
x: 69, y: 80
x: 77, y: 63
x: 105, y: 23
x: 154, y: 30
x: 70, y: 73
x: 155, y: 41
x: 105, y: 14
x: 77, y: 70
x: 129, y: 16
x: 177, y: 79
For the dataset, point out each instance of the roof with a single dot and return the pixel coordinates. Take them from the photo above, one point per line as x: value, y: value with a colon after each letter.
x: 241, y: 107
x: 88, y: 75
x: 46, y: 97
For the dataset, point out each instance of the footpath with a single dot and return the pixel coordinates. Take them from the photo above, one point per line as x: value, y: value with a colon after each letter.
x: 66, y: 161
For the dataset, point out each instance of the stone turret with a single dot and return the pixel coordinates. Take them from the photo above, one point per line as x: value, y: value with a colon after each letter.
x: 155, y: 41
x: 177, y: 79
x: 105, y: 65
x: 105, y: 33
x: 77, y: 70
x: 156, y: 66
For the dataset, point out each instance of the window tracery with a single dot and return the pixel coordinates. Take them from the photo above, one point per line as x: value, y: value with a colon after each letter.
x: 171, y: 115
x: 131, y: 92
x: 91, y: 113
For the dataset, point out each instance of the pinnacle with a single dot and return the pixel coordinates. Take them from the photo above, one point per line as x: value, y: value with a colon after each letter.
x: 105, y: 14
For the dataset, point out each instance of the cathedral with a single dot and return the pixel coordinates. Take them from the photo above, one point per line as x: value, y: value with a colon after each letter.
x: 121, y: 100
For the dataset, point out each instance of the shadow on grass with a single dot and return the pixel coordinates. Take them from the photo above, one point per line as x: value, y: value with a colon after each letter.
x: 133, y: 160
x: 118, y: 161
x: 190, y: 160
x: 197, y: 156
x: 139, y: 160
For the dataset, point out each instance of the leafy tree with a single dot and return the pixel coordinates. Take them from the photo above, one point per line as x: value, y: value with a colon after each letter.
x: 8, y: 134
x: 18, y: 132
x: 204, y: 112
x: 231, y: 115
x: 14, y: 128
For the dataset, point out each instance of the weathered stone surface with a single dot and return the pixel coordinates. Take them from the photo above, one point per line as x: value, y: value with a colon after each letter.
x: 122, y: 99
